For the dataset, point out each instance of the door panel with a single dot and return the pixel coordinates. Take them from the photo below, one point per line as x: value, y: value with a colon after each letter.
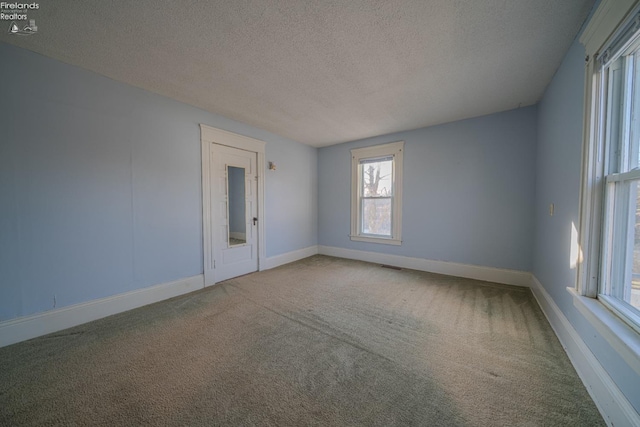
x: 235, y: 251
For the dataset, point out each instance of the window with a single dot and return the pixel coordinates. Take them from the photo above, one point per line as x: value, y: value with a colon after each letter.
x: 611, y: 191
x: 376, y: 188
x: 620, y: 268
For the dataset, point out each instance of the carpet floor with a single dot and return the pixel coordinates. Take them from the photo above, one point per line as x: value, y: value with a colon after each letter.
x: 322, y: 341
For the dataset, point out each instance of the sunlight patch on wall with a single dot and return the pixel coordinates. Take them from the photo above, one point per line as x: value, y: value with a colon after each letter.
x: 575, y: 254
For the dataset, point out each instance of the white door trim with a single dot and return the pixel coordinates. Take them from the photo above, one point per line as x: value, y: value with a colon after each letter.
x: 208, y: 136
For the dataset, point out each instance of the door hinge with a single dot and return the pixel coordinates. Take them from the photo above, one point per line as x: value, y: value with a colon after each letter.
x: 214, y: 263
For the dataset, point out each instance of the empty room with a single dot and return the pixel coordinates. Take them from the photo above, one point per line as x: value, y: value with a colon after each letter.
x: 292, y: 212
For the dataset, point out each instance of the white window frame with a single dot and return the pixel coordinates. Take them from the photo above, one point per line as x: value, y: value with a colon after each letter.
x: 395, y: 150
x: 609, y: 318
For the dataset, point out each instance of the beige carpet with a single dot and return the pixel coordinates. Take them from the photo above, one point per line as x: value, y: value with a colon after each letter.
x: 322, y: 341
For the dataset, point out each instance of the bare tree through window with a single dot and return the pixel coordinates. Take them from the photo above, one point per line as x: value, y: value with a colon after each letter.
x: 377, y: 197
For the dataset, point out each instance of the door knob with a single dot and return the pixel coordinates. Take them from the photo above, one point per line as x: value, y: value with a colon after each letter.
x: 255, y: 220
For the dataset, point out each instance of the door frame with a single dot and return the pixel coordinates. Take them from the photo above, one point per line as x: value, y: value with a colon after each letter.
x: 209, y: 136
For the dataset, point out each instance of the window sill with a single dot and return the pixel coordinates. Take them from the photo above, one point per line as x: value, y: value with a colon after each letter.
x: 381, y: 240
x: 624, y: 340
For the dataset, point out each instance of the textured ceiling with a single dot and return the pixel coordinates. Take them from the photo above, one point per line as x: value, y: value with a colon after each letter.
x: 320, y: 71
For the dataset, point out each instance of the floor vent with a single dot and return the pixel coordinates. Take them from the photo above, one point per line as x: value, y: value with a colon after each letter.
x: 393, y: 267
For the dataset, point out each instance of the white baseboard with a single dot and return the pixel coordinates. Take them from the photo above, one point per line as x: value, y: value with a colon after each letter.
x: 490, y: 274
x: 612, y: 404
x: 286, y: 258
x: 27, y: 327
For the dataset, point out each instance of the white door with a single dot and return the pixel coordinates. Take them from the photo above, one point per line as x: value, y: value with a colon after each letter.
x: 234, y: 211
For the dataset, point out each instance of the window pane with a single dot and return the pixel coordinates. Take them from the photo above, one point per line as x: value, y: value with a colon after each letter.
x: 634, y: 143
x: 620, y: 266
x: 376, y: 216
x: 377, y: 178
x: 615, y: 110
x: 633, y: 291
x: 625, y: 263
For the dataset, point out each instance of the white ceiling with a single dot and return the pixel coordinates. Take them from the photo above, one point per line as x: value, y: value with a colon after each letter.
x: 320, y: 71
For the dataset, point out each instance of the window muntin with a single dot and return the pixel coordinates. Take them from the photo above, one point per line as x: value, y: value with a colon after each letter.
x: 377, y: 193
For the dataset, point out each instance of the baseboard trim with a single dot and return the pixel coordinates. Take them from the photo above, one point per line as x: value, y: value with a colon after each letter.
x: 286, y: 258
x: 27, y: 327
x: 490, y: 274
x: 612, y: 404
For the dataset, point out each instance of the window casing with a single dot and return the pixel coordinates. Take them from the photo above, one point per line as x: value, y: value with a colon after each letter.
x: 376, y: 193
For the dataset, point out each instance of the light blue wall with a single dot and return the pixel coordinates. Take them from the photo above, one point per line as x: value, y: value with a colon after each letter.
x: 468, y: 191
x: 560, y: 118
x: 292, y: 198
x: 100, y: 186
